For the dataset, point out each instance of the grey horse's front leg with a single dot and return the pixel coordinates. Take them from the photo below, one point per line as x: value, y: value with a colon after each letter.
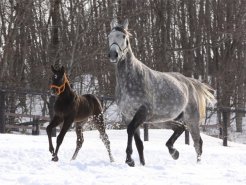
x: 80, y: 139
x: 137, y: 120
x: 139, y: 145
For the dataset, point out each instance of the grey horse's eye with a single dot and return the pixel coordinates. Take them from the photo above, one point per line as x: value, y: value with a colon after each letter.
x: 124, y: 36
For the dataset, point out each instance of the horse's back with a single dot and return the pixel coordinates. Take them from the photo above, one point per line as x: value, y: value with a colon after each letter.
x: 92, y: 103
x: 87, y: 105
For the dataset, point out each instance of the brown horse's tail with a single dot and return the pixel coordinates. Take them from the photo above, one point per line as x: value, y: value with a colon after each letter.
x: 99, y: 103
x: 96, y: 104
x: 98, y: 111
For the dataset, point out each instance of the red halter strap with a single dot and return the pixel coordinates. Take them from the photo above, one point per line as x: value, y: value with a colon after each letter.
x: 61, y: 88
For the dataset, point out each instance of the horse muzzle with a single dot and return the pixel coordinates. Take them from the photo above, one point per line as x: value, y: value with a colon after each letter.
x: 114, y: 53
x: 53, y: 91
x: 57, y: 90
x: 113, y: 56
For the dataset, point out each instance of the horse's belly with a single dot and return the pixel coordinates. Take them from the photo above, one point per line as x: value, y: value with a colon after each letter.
x: 158, y: 112
x: 168, y: 112
x: 128, y: 110
x: 170, y: 104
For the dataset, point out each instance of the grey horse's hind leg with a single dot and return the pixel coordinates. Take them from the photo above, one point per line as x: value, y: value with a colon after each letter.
x: 195, y: 134
x: 104, y: 137
x: 178, y: 129
x: 137, y: 120
x: 80, y: 139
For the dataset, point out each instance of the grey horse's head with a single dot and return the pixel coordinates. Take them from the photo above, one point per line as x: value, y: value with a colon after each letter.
x: 118, y: 40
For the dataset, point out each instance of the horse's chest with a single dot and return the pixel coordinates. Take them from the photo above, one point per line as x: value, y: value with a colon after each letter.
x: 64, y: 108
x: 129, y: 97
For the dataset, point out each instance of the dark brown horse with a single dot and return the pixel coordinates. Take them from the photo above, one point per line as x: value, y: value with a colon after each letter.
x: 69, y: 108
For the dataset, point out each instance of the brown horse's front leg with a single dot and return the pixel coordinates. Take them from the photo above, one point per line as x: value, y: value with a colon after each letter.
x: 66, y: 125
x: 54, y: 122
x: 80, y: 140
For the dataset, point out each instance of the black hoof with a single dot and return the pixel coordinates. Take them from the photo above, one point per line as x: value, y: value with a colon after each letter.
x: 51, y: 149
x: 55, y: 159
x: 130, y: 162
x: 112, y: 160
x: 142, y: 161
x: 175, y: 154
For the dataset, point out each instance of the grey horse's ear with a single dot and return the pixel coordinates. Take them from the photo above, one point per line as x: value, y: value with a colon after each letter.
x: 125, y: 24
x: 113, y: 23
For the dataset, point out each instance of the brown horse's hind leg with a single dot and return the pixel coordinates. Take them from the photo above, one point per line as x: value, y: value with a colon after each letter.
x: 80, y: 139
x: 104, y: 137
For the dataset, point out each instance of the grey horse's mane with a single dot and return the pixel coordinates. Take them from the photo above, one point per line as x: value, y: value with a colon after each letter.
x: 121, y: 29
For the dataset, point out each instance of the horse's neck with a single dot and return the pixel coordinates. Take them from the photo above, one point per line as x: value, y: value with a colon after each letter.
x: 126, y: 61
x: 68, y: 92
x: 130, y: 65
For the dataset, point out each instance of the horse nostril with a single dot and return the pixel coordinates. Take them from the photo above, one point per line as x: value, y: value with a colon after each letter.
x: 113, y: 54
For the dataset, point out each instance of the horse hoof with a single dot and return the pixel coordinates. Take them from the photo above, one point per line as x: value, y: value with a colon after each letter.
x: 175, y: 154
x: 55, y: 159
x: 198, y: 159
x: 51, y: 150
x: 73, y: 158
x: 130, y: 162
x: 142, y: 161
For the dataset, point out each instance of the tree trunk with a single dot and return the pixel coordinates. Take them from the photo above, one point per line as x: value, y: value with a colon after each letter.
x: 54, y: 49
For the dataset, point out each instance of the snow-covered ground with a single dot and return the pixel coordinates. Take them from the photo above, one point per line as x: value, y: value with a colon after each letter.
x: 26, y: 160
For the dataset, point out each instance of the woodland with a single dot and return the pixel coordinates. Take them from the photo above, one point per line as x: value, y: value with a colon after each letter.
x: 203, y: 39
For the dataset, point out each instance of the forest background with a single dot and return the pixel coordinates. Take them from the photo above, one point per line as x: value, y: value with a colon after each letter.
x: 204, y: 39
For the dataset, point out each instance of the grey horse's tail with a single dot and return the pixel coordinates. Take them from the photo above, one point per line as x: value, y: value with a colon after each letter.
x: 205, y: 95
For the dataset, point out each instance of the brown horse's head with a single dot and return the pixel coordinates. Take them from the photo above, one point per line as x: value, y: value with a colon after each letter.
x: 59, y: 81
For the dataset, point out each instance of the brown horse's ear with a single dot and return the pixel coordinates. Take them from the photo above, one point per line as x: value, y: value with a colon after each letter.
x: 53, y: 69
x: 63, y: 69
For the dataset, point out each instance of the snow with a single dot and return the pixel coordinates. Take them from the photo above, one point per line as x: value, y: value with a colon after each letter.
x: 25, y: 159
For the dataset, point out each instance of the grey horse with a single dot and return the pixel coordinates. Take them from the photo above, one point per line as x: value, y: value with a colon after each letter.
x: 146, y: 95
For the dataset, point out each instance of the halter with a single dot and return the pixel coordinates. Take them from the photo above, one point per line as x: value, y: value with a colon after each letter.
x: 121, y: 29
x: 60, y: 88
x: 122, y: 50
